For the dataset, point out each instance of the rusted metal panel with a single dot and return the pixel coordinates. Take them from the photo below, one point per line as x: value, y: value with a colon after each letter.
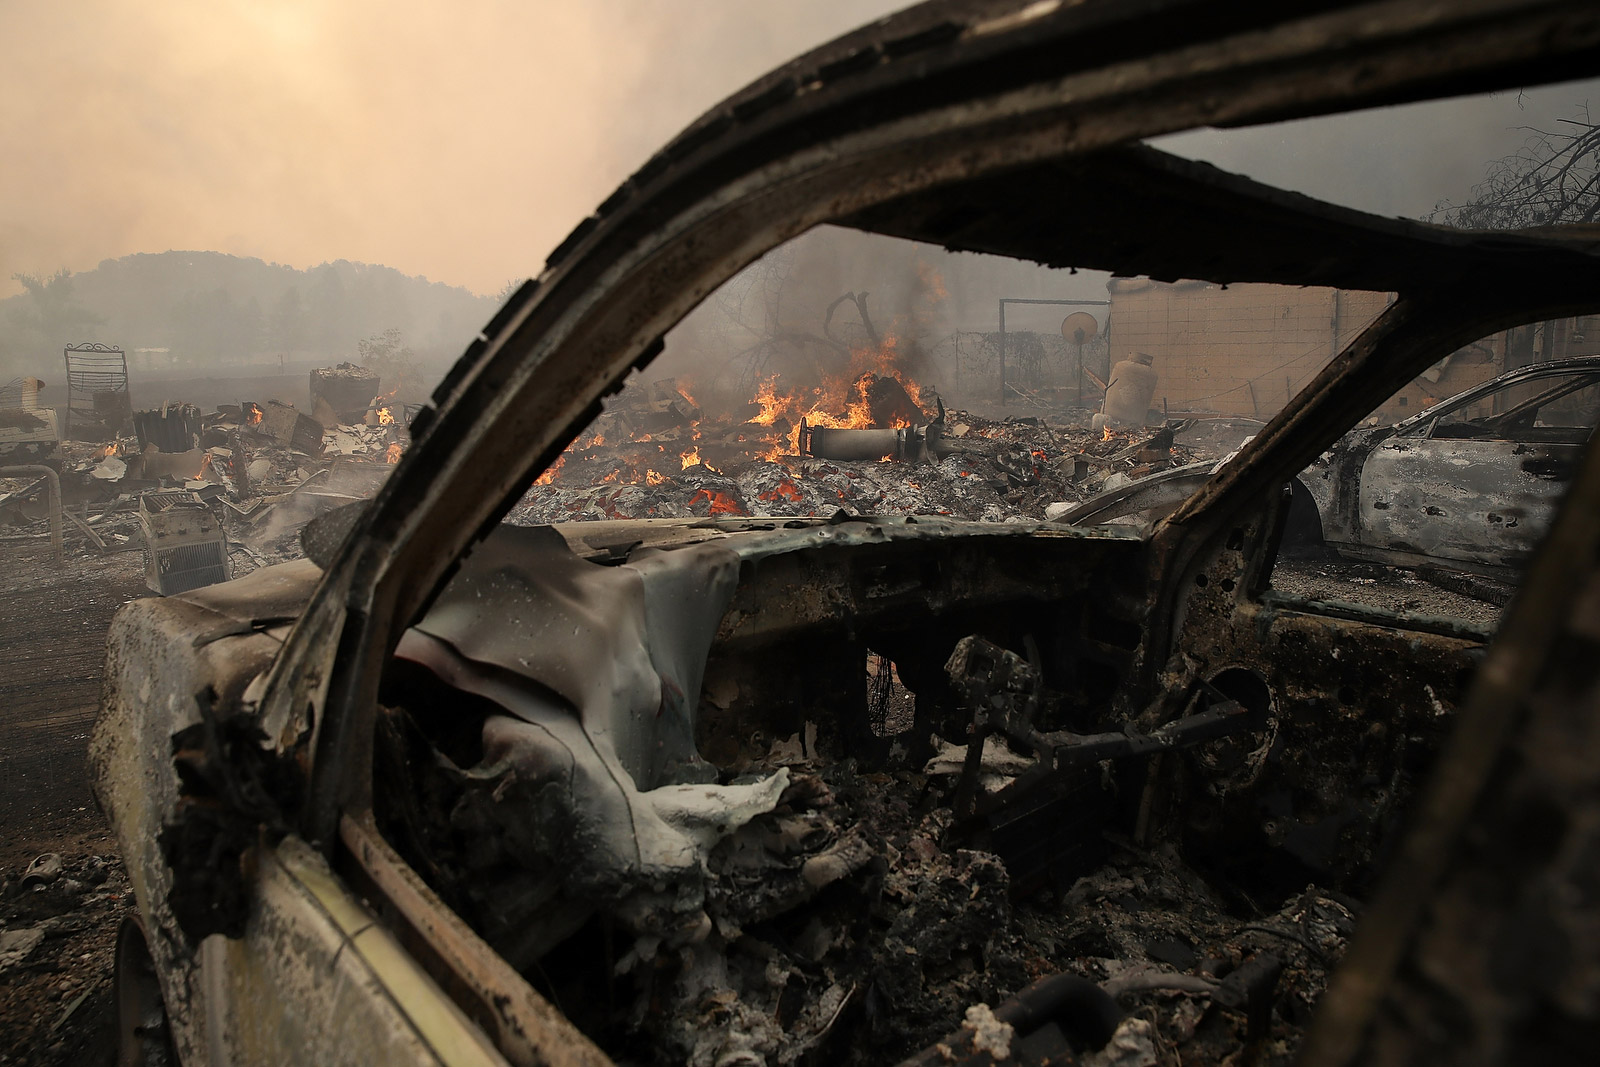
x: 315, y: 978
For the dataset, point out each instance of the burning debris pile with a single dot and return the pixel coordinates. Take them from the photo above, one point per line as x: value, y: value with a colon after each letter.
x: 867, y: 442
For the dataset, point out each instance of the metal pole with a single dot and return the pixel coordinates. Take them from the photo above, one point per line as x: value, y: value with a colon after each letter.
x: 1004, y: 300
x: 1080, y: 368
x: 1002, y: 353
x: 66, y: 429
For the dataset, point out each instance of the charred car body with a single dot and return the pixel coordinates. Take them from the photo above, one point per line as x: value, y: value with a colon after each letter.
x: 1471, y: 483
x: 369, y: 800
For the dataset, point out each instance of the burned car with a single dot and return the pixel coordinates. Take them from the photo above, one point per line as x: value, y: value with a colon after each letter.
x: 453, y: 791
x: 1470, y: 483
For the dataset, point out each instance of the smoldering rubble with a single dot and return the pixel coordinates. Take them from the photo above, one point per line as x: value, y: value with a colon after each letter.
x: 649, y: 458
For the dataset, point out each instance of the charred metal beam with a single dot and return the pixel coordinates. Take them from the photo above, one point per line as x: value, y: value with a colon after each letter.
x: 1046, y: 1023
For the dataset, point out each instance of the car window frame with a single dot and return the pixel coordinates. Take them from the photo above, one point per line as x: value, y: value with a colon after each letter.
x: 319, y: 693
x: 1420, y: 424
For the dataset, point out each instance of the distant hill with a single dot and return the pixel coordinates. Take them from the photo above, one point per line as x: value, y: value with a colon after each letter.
x: 207, y: 308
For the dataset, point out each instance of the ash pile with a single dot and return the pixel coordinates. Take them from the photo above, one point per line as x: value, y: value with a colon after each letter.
x: 813, y: 898
x: 878, y: 444
x: 207, y: 496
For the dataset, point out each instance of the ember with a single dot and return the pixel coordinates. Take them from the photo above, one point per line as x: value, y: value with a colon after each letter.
x: 549, y: 476
x: 721, y: 503
x: 785, y: 490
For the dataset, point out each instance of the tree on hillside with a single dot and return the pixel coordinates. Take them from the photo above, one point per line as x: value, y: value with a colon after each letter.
x: 507, y: 291
x: 388, y: 357
x: 215, y: 327
x: 52, y: 314
x: 1553, y: 178
x: 286, y: 325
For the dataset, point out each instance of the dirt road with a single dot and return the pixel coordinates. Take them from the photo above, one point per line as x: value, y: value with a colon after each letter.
x: 55, y: 1003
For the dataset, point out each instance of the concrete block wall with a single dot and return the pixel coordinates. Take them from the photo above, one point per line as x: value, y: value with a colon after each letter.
x: 1240, y: 350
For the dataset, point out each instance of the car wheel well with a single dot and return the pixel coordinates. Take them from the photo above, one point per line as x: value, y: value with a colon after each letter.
x: 144, y: 1038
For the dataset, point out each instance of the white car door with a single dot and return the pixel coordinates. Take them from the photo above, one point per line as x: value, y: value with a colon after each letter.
x: 1475, y: 485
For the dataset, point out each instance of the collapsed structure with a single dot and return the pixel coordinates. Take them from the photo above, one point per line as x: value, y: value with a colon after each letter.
x: 206, y: 496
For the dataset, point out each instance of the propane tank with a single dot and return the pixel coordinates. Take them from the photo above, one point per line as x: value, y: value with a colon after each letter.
x: 1129, y: 392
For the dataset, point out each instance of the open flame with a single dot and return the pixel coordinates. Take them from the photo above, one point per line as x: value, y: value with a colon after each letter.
x: 550, y: 472
x: 393, y: 454
x: 385, y: 417
x: 253, y: 413
x: 840, y: 400
x: 870, y: 389
x: 772, y: 405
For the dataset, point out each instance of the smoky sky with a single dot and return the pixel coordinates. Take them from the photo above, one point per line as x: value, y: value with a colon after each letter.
x: 462, y: 141
x: 457, y: 141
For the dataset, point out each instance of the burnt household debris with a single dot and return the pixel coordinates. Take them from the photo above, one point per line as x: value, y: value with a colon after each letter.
x: 877, y: 443
x: 871, y: 441
x: 205, y: 495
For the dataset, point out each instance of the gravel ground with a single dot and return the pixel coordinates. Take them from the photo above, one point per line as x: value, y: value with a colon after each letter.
x: 52, y: 653
x: 1374, y: 585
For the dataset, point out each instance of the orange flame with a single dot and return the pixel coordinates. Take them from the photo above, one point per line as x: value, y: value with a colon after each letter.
x: 385, y: 417
x: 654, y: 478
x: 772, y: 405
x: 393, y: 454
x: 550, y: 472
x: 690, y: 457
